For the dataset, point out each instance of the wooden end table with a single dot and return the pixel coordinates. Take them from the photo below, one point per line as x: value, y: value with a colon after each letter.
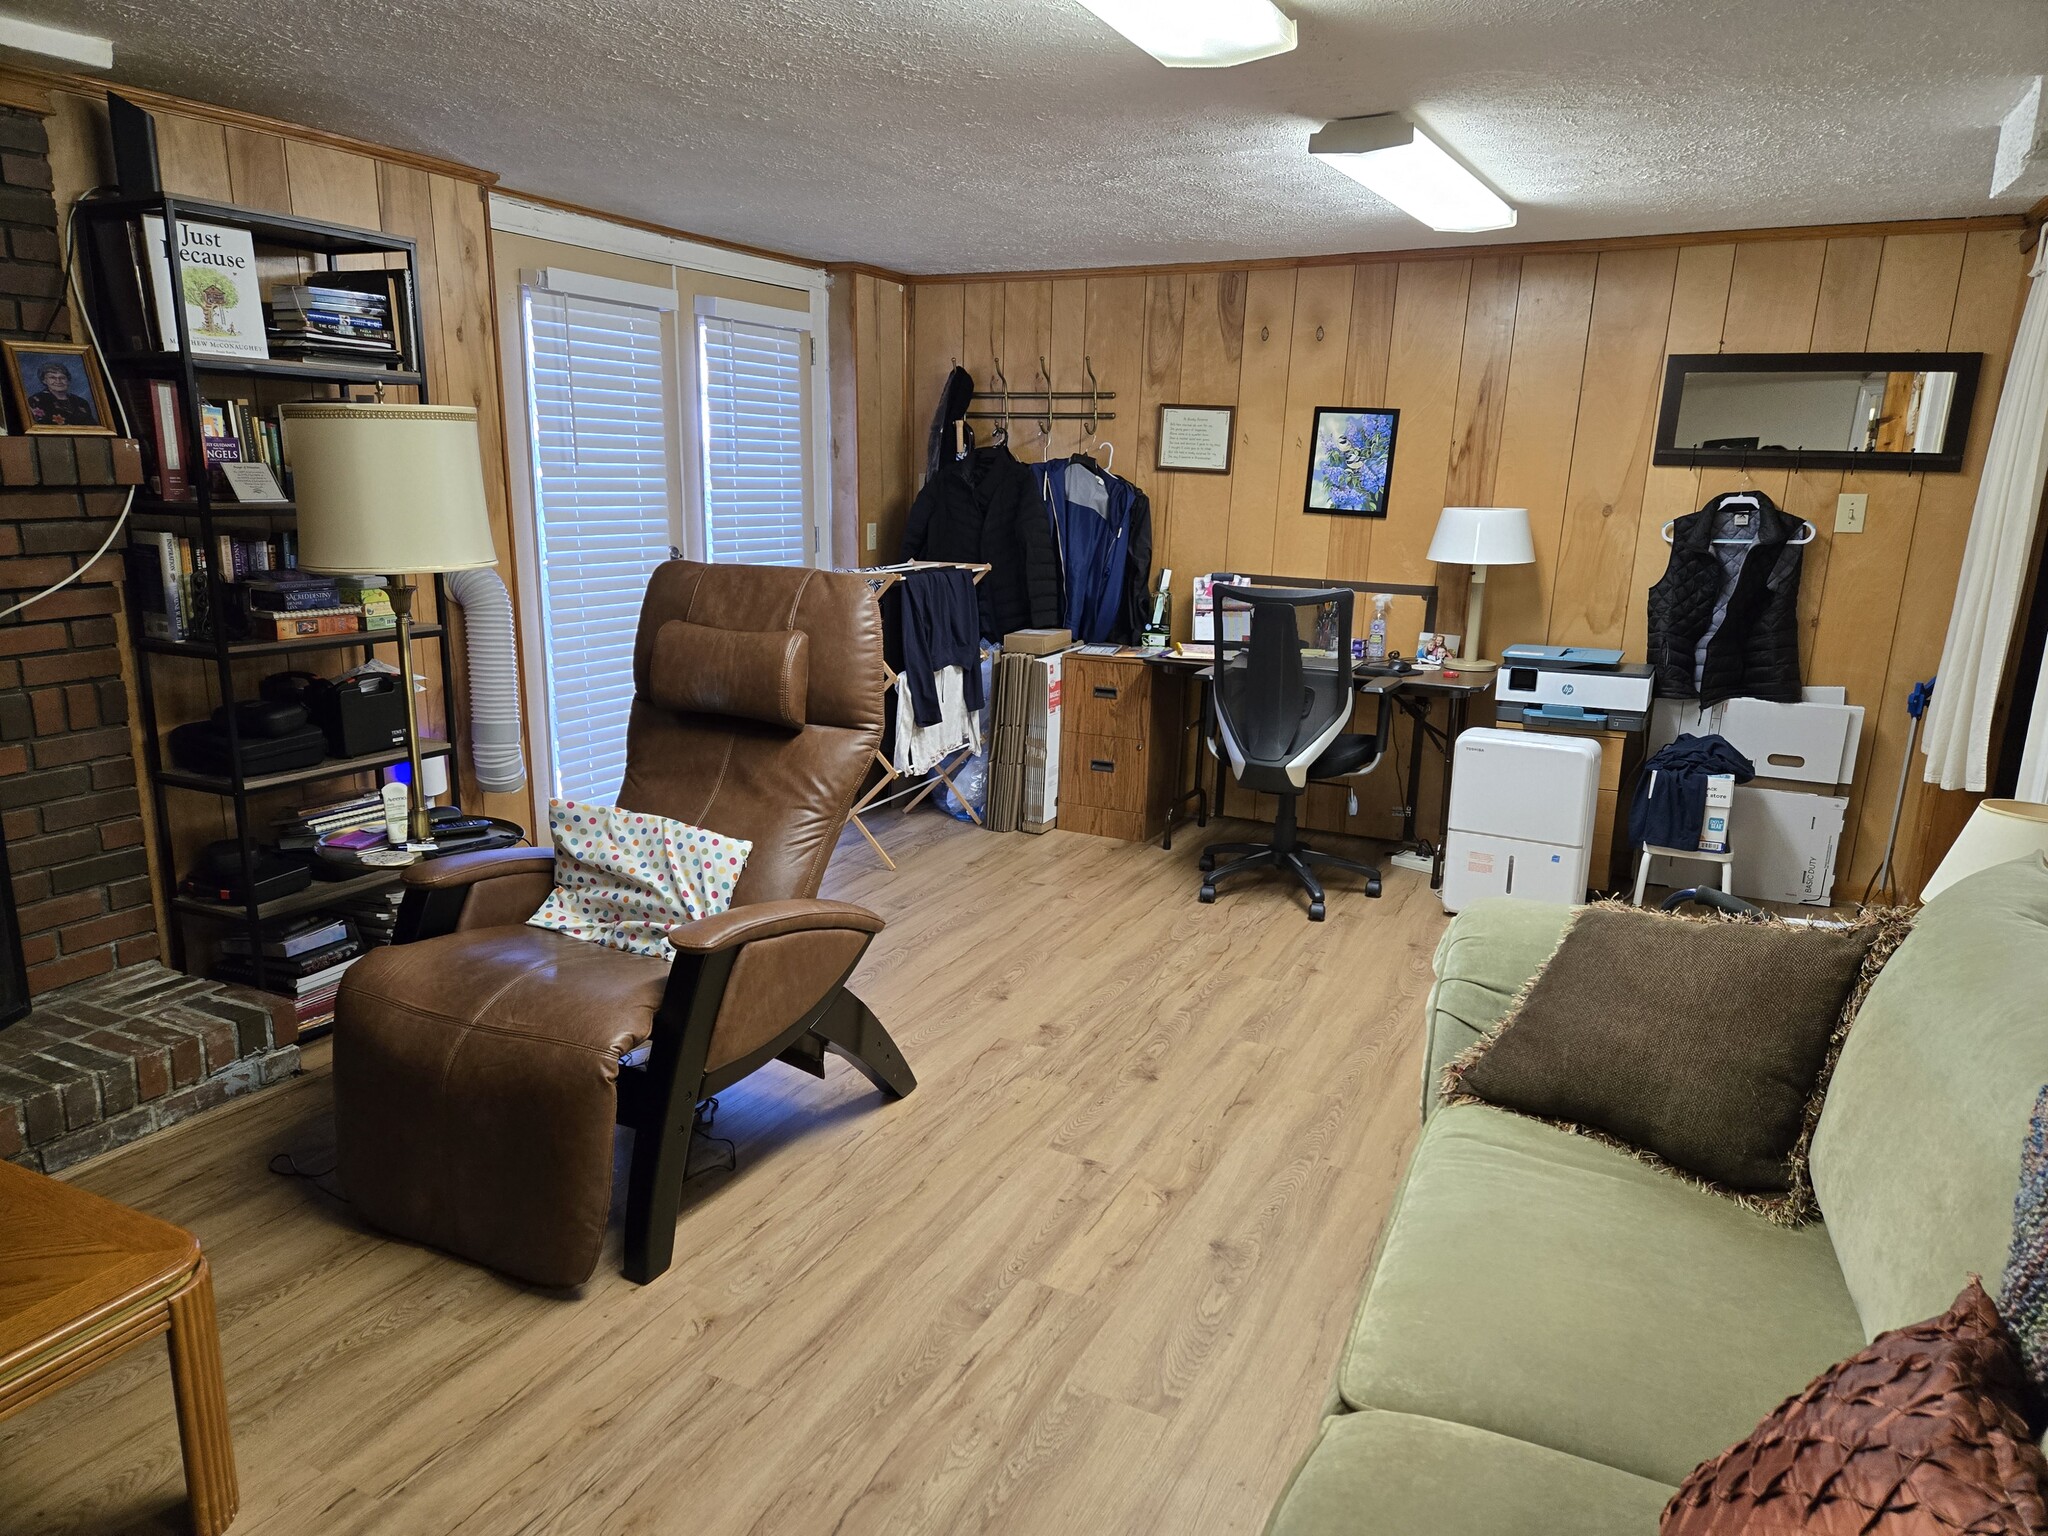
x: 82, y: 1282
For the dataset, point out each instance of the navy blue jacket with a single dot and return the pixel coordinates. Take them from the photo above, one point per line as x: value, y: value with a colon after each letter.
x: 1106, y: 555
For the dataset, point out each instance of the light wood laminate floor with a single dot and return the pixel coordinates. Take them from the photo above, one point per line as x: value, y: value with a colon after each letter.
x: 1091, y: 1277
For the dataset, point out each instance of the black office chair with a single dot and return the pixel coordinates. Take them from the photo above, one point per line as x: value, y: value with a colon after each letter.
x: 1283, y: 697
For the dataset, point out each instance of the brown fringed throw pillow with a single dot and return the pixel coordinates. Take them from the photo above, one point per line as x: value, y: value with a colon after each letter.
x: 1702, y: 1045
x: 1920, y: 1433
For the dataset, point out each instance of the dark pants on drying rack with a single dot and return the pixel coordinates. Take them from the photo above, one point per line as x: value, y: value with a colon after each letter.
x: 941, y: 627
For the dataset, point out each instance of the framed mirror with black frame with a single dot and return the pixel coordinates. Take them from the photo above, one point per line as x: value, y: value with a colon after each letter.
x: 1905, y: 411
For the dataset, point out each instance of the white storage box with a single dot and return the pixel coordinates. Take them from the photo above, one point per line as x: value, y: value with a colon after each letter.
x: 1812, y: 742
x: 1784, y: 842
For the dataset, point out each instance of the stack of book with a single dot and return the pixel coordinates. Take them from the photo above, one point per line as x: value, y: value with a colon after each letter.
x: 338, y: 317
x: 289, y: 605
x: 303, y: 828
x: 303, y: 958
x: 372, y: 595
x: 375, y: 915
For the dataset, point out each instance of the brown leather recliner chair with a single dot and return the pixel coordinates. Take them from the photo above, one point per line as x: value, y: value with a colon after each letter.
x: 479, y: 1064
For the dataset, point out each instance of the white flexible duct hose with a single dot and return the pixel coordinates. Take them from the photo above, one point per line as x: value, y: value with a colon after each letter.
x: 493, y: 680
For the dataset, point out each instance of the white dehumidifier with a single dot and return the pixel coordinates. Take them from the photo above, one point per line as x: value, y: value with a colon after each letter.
x: 1522, y: 811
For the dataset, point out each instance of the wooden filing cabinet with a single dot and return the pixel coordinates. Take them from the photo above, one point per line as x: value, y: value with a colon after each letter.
x: 1120, y: 741
x: 1620, y: 755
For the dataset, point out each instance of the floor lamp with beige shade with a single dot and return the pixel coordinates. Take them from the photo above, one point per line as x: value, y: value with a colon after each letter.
x: 385, y: 490
x: 1481, y: 537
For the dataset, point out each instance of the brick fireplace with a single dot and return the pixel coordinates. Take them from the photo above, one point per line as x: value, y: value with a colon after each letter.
x: 114, y: 1044
x: 68, y: 802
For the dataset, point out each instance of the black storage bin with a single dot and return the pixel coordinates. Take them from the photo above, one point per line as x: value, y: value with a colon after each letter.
x: 361, y: 715
x: 202, y: 747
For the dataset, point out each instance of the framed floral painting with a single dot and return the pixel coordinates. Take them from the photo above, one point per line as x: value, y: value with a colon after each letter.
x: 1351, y: 462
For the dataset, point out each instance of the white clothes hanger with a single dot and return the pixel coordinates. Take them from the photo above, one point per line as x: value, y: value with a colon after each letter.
x: 1108, y: 452
x: 1806, y: 535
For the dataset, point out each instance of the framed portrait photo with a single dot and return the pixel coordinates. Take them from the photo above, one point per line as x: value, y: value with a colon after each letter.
x: 57, y: 387
x: 1351, y: 460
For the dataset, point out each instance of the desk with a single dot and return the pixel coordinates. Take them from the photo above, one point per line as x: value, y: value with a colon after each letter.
x: 1413, y: 697
x: 1412, y: 694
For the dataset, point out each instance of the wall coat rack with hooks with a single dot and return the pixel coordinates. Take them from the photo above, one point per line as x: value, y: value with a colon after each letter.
x: 1041, y: 405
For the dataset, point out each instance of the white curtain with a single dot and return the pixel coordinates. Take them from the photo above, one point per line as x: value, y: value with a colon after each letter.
x: 1980, y: 628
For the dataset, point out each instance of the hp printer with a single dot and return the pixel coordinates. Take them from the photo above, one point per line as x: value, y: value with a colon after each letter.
x: 1572, y: 685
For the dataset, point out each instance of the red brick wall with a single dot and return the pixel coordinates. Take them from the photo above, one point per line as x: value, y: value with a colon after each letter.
x: 68, y: 800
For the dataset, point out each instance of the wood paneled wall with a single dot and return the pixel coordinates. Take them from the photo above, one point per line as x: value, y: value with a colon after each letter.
x: 876, y: 463
x: 216, y: 154
x: 1526, y: 379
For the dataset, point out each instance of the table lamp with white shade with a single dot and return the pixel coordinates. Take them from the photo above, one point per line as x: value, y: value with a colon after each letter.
x: 1997, y: 832
x: 1481, y: 537
x: 385, y: 490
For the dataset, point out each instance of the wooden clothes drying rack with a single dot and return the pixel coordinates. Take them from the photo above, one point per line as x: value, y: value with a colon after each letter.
x: 880, y: 579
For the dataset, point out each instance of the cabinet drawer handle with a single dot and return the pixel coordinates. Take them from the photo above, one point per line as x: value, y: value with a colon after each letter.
x: 1104, y: 693
x: 1102, y: 765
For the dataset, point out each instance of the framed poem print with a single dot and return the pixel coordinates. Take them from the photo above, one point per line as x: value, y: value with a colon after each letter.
x: 57, y: 388
x: 1351, y: 460
x: 1196, y: 439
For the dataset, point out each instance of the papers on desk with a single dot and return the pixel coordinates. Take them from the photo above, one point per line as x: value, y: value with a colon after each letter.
x: 1195, y: 650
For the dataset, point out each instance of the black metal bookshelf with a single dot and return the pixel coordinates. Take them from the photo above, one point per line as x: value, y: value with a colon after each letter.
x: 315, y: 246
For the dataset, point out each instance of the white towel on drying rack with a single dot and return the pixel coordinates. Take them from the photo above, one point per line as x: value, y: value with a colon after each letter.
x: 919, y: 749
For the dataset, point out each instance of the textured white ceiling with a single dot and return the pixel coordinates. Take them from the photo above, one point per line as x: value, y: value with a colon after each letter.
x: 960, y: 135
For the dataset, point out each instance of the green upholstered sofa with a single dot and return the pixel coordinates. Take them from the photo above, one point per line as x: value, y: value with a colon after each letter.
x: 1553, y: 1335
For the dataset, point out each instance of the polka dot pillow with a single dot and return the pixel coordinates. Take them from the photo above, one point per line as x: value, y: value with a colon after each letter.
x: 623, y: 879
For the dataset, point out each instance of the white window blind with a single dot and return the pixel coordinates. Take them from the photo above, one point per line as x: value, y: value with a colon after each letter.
x: 602, y: 497
x: 752, y: 381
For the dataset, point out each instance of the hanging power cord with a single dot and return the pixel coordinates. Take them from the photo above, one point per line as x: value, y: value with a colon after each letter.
x: 1885, y: 882
x: 69, y: 257
x: 724, y: 1161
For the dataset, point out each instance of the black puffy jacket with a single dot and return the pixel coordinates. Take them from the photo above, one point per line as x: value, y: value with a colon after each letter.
x: 1724, y: 621
x: 986, y: 509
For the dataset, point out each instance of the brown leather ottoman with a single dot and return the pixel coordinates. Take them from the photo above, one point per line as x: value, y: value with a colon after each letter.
x: 481, y: 1121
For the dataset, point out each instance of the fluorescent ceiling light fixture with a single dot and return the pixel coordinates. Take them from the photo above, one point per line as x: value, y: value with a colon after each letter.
x: 1409, y: 169
x: 1200, y: 34
x: 57, y: 42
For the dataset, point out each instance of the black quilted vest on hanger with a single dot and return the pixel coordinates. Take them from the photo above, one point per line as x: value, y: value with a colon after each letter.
x: 1724, y: 620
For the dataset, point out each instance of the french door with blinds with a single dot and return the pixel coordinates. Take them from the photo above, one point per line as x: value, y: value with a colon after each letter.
x: 648, y: 438
x: 752, y: 386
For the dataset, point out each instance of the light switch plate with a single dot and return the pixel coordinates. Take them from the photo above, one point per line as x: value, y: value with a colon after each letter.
x: 1849, y: 509
x: 871, y: 537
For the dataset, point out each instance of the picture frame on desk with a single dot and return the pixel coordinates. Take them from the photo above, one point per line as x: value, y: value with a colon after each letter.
x: 57, y: 389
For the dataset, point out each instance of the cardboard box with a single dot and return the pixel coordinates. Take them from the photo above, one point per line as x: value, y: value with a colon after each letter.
x: 1042, y: 743
x: 1037, y: 642
x: 1714, y: 824
x: 1785, y: 841
x: 1812, y: 742
x: 1005, y: 796
x: 1802, y: 743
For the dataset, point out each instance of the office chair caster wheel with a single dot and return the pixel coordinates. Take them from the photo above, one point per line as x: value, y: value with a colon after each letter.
x: 1208, y: 862
x: 1372, y: 887
x: 1208, y: 895
x: 1315, y: 911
